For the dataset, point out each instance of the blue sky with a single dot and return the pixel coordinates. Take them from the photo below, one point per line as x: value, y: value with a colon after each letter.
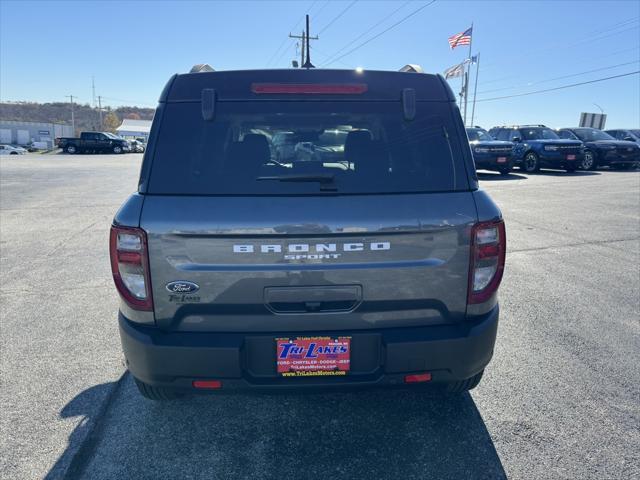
x: 50, y: 49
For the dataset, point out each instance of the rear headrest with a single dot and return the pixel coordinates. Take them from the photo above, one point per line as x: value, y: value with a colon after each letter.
x: 357, y: 138
x: 256, y: 147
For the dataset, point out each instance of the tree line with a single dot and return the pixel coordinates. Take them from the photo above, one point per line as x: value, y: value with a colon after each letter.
x: 86, y: 117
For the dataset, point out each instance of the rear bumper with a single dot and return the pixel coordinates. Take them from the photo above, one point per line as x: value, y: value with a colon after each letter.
x: 247, y: 361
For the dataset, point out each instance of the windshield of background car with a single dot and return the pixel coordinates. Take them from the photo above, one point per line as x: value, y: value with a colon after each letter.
x: 356, y: 147
x: 591, y: 134
x: 636, y: 133
x: 538, y: 133
x: 479, y: 135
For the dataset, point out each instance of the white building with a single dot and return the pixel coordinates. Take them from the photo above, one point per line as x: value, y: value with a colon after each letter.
x: 25, y: 133
x: 134, y: 128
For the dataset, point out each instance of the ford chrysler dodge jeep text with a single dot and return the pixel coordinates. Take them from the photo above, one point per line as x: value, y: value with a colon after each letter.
x: 363, y: 254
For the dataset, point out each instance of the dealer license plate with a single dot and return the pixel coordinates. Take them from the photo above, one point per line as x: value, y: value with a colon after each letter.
x: 313, y: 356
x: 571, y: 157
x: 502, y: 159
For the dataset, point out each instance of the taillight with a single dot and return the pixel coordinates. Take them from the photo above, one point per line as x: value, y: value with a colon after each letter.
x: 488, y: 248
x: 130, y: 266
x: 309, y: 88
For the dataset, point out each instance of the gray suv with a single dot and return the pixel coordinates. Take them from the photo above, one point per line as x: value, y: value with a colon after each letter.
x: 377, y: 265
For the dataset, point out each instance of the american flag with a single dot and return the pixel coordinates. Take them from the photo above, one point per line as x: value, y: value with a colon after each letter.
x: 463, y: 38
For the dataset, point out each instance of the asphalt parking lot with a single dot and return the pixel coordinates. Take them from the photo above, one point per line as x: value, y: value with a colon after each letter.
x: 560, y: 399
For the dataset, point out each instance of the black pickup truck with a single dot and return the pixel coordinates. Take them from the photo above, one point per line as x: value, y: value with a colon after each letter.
x: 94, y: 142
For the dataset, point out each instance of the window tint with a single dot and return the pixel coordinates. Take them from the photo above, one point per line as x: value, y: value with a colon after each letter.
x: 344, y: 147
x: 567, y: 134
x: 502, y: 134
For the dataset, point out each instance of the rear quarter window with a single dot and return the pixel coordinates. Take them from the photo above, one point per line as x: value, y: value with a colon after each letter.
x: 296, y: 147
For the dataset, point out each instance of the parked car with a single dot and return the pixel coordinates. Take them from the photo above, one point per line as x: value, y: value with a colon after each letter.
x: 283, y: 146
x: 237, y: 272
x: 94, y: 142
x: 601, y: 149
x: 489, y: 153
x: 327, y: 146
x: 137, y: 146
x: 537, y: 146
x: 11, y: 150
x: 629, y: 135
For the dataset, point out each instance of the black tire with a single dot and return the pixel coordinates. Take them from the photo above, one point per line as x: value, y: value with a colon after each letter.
x: 13, y: 153
x: 71, y: 149
x: 530, y: 163
x: 117, y: 149
x: 589, y: 161
x: 158, y: 394
x: 465, y: 385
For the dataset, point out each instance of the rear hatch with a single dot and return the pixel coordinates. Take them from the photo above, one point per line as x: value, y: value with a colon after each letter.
x: 374, y: 235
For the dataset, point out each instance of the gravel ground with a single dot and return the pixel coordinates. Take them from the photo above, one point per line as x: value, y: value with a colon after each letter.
x: 559, y: 400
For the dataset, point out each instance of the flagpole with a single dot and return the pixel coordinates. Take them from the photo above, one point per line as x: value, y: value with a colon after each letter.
x: 475, y: 88
x: 466, y: 76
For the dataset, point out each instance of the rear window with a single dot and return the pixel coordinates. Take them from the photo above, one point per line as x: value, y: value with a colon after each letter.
x: 294, y: 147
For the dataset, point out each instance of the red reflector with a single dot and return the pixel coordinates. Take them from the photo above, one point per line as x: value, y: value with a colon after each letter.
x: 310, y: 88
x: 488, y: 251
x: 417, y: 378
x: 129, y: 257
x: 210, y: 384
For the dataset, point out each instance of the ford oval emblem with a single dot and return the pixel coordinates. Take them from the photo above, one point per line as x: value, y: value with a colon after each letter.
x: 182, y: 286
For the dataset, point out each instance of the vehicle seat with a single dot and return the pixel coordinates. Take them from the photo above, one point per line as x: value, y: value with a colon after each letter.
x: 246, y: 158
x: 369, y: 156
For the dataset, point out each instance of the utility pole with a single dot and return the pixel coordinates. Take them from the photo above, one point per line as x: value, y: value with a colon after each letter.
x: 73, y: 118
x: 100, y: 110
x: 304, y: 40
x: 93, y: 91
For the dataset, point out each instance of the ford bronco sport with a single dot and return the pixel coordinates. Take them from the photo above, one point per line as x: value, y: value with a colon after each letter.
x: 373, y: 263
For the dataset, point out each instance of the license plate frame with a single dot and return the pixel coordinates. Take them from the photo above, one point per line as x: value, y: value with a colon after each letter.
x: 313, y: 356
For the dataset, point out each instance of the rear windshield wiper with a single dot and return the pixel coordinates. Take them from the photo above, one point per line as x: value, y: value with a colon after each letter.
x: 325, y: 179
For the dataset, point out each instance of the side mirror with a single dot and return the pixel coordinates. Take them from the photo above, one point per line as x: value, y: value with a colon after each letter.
x: 517, y: 140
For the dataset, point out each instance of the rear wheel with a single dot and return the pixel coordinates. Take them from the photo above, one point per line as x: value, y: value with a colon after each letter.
x: 530, y: 163
x: 157, y: 394
x: 71, y: 149
x: 465, y: 385
x: 588, y: 161
x: 117, y: 149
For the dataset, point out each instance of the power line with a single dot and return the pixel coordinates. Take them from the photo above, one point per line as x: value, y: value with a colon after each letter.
x: 130, y: 102
x: 608, y: 55
x: 384, y: 19
x: 562, y: 77
x: 588, y: 38
x: 559, y: 88
x: 383, y: 31
x: 287, y: 38
x: 338, y: 16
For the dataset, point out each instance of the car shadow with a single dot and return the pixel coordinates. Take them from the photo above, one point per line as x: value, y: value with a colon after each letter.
x: 364, y: 434
x: 564, y: 173
x: 498, y: 177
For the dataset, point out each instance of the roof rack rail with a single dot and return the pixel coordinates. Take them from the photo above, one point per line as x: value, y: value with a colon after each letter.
x: 412, y: 67
x: 201, y: 67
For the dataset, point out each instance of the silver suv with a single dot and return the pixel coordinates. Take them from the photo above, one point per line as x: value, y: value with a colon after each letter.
x: 376, y: 263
